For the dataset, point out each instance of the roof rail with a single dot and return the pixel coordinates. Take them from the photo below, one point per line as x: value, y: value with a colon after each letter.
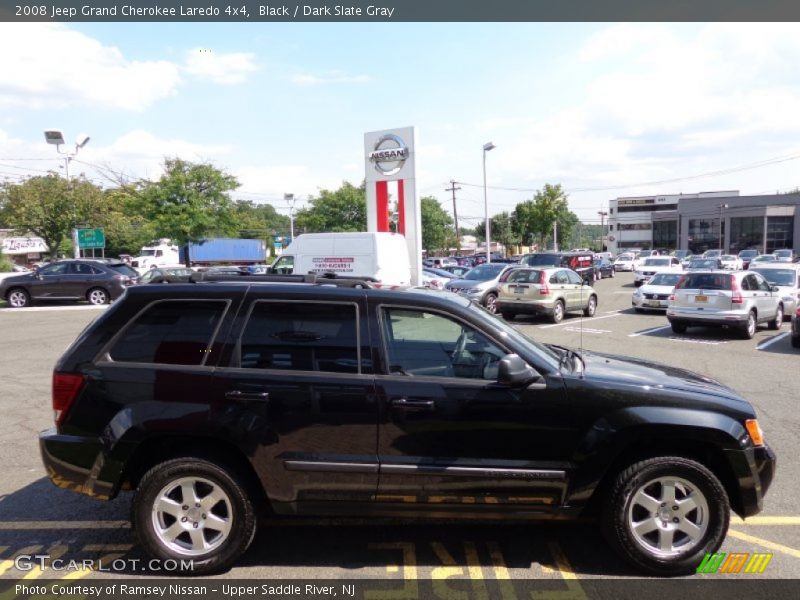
x: 312, y: 278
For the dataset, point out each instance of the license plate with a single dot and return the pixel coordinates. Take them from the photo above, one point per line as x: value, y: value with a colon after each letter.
x: 519, y: 290
x: 654, y: 303
x: 701, y: 298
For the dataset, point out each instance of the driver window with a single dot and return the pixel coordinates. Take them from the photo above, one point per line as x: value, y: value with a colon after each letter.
x: 763, y: 284
x: 421, y: 344
x: 56, y: 269
x: 285, y: 265
x: 574, y: 278
x: 561, y: 277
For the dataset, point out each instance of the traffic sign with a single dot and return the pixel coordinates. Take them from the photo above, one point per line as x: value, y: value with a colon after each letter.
x: 91, y: 238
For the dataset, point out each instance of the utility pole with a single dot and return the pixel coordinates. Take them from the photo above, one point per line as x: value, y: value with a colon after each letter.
x: 555, y: 235
x: 453, y: 189
x: 290, y: 200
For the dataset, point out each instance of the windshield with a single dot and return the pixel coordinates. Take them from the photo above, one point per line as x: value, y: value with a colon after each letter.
x: 764, y: 258
x: 657, y: 262
x: 785, y: 277
x: 624, y: 257
x: 681, y: 253
x: 543, y: 260
x: 748, y: 253
x: 665, y: 279
x: 507, y: 331
x: 484, y: 272
x: 783, y: 253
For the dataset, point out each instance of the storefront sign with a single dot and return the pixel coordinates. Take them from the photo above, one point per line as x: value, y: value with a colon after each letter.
x: 24, y: 245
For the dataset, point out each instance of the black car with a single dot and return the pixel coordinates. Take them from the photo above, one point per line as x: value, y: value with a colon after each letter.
x: 796, y: 328
x: 97, y: 281
x: 580, y: 262
x: 603, y: 268
x: 219, y: 401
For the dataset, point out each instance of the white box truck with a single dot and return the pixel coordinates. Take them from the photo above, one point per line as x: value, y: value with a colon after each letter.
x: 377, y: 255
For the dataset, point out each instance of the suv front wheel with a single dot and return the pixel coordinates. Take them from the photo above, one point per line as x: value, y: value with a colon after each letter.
x: 190, y: 509
x: 665, y: 514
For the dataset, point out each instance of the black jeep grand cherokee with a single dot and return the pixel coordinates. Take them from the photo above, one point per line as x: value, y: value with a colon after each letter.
x: 216, y: 400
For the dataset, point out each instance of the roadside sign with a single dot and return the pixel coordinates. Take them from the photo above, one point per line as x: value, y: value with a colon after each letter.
x: 91, y: 238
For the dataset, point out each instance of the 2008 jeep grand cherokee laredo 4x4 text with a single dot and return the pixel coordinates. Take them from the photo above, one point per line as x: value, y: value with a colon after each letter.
x: 217, y: 400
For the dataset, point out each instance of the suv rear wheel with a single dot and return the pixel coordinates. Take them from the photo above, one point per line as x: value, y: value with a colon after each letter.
x: 678, y: 327
x: 749, y: 328
x: 664, y: 514
x: 191, y: 509
x: 591, y: 307
x: 558, y: 312
x: 97, y: 296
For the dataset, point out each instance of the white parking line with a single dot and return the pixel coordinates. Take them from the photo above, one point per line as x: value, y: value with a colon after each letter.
x: 675, y: 338
x: 586, y: 330
x: 53, y: 308
x: 771, y: 341
x: 646, y: 331
x: 571, y: 322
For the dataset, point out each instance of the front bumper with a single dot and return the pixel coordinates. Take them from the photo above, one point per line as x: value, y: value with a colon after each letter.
x: 649, y: 304
x: 78, y: 464
x: 754, y: 469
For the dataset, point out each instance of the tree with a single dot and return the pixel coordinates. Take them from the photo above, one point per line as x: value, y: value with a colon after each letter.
x: 258, y: 220
x: 535, y: 218
x: 344, y: 209
x: 189, y: 202
x: 50, y: 207
x: 437, y: 225
x: 504, y: 230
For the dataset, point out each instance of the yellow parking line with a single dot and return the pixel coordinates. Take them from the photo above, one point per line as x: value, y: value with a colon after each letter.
x: 23, y: 525
x: 7, y: 564
x: 765, y: 520
x: 764, y: 543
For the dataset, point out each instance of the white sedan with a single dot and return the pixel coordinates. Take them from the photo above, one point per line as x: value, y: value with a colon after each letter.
x: 654, y: 295
x: 731, y: 262
x: 651, y: 266
x: 624, y: 262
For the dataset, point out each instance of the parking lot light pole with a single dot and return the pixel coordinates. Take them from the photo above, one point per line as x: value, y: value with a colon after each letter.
x: 603, y: 214
x: 721, y: 208
x: 290, y: 200
x: 56, y: 138
x: 486, y: 147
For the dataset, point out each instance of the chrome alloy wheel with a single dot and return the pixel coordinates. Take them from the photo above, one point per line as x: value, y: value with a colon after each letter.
x: 18, y: 299
x: 668, y: 516
x: 98, y: 296
x: 192, y: 516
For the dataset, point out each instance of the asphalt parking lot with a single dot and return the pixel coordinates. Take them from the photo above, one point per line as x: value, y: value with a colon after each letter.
x: 36, y: 517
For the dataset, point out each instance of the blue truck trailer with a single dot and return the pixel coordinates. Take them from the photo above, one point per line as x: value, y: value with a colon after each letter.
x: 224, y: 251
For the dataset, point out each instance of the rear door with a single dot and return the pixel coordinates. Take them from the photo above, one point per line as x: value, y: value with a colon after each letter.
x: 303, y: 366
x: 79, y: 278
x: 766, y: 299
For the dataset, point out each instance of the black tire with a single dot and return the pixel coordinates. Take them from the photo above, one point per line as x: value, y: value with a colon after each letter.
x: 490, y: 302
x: 639, y: 310
x: 749, y: 329
x: 777, y: 322
x: 625, y: 506
x: 508, y: 315
x: 241, y: 513
x: 591, y: 306
x: 98, y: 296
x: 558, y: 312
x: 18, y: 298
x: 796, y: 341
x: 678, y: 327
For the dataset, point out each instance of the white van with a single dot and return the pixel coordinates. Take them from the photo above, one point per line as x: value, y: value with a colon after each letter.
x: 382, y: 256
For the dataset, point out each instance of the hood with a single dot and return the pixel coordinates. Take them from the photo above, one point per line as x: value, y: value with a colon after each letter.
x: 20, y: 278
x: 639, y: 372
x: 469, y: 283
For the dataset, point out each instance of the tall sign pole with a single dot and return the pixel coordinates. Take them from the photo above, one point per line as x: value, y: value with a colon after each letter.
x: 389, y: 158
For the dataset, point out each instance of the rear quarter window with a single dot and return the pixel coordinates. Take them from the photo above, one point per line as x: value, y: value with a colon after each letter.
x: 175, y: 332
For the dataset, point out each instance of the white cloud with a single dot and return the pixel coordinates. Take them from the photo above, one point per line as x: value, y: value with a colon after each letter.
x: 47, y: 64
x: 224, y: 69
x: 328, y: 78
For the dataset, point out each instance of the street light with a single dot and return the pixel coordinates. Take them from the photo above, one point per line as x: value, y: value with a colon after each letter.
x: 56, y: 138
x: 486, y: 147
x: 603, y: 215
x: 721, y: 208
x: 290, y: 200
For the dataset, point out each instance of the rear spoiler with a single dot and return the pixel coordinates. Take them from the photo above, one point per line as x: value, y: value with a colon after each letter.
x: 312, y: 278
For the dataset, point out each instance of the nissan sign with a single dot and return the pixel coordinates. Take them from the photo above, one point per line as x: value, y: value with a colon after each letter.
x: 389, y: 154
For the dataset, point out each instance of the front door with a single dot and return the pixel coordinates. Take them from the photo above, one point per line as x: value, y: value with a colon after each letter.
x: 50, y: 281
x: 452, y: 437
x: 302, y: 366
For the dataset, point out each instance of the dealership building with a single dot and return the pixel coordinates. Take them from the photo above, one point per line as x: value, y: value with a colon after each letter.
x: 704, y: 221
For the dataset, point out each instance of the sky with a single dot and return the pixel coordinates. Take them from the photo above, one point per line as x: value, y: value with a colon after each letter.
x: 606, y: 110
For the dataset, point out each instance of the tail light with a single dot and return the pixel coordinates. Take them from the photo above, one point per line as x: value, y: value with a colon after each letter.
x: 544, y: 289
x: 678, y: 286
x: 66, y: 387
x: 736, y: 298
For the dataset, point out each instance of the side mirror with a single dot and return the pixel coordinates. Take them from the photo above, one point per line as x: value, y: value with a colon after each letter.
x: 774, y: 288
x: 514, y: 371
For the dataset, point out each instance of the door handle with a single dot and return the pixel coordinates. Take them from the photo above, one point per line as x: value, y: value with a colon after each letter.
x: 418, y: 405
x: 240, y: 395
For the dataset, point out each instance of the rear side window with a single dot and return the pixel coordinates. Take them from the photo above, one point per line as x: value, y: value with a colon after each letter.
x: 123, y: 269
x: 705, y: 281
x: 170, y: 332
x: 301, y: 336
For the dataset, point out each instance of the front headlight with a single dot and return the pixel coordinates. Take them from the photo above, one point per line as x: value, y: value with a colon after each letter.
x: 475, y: 290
